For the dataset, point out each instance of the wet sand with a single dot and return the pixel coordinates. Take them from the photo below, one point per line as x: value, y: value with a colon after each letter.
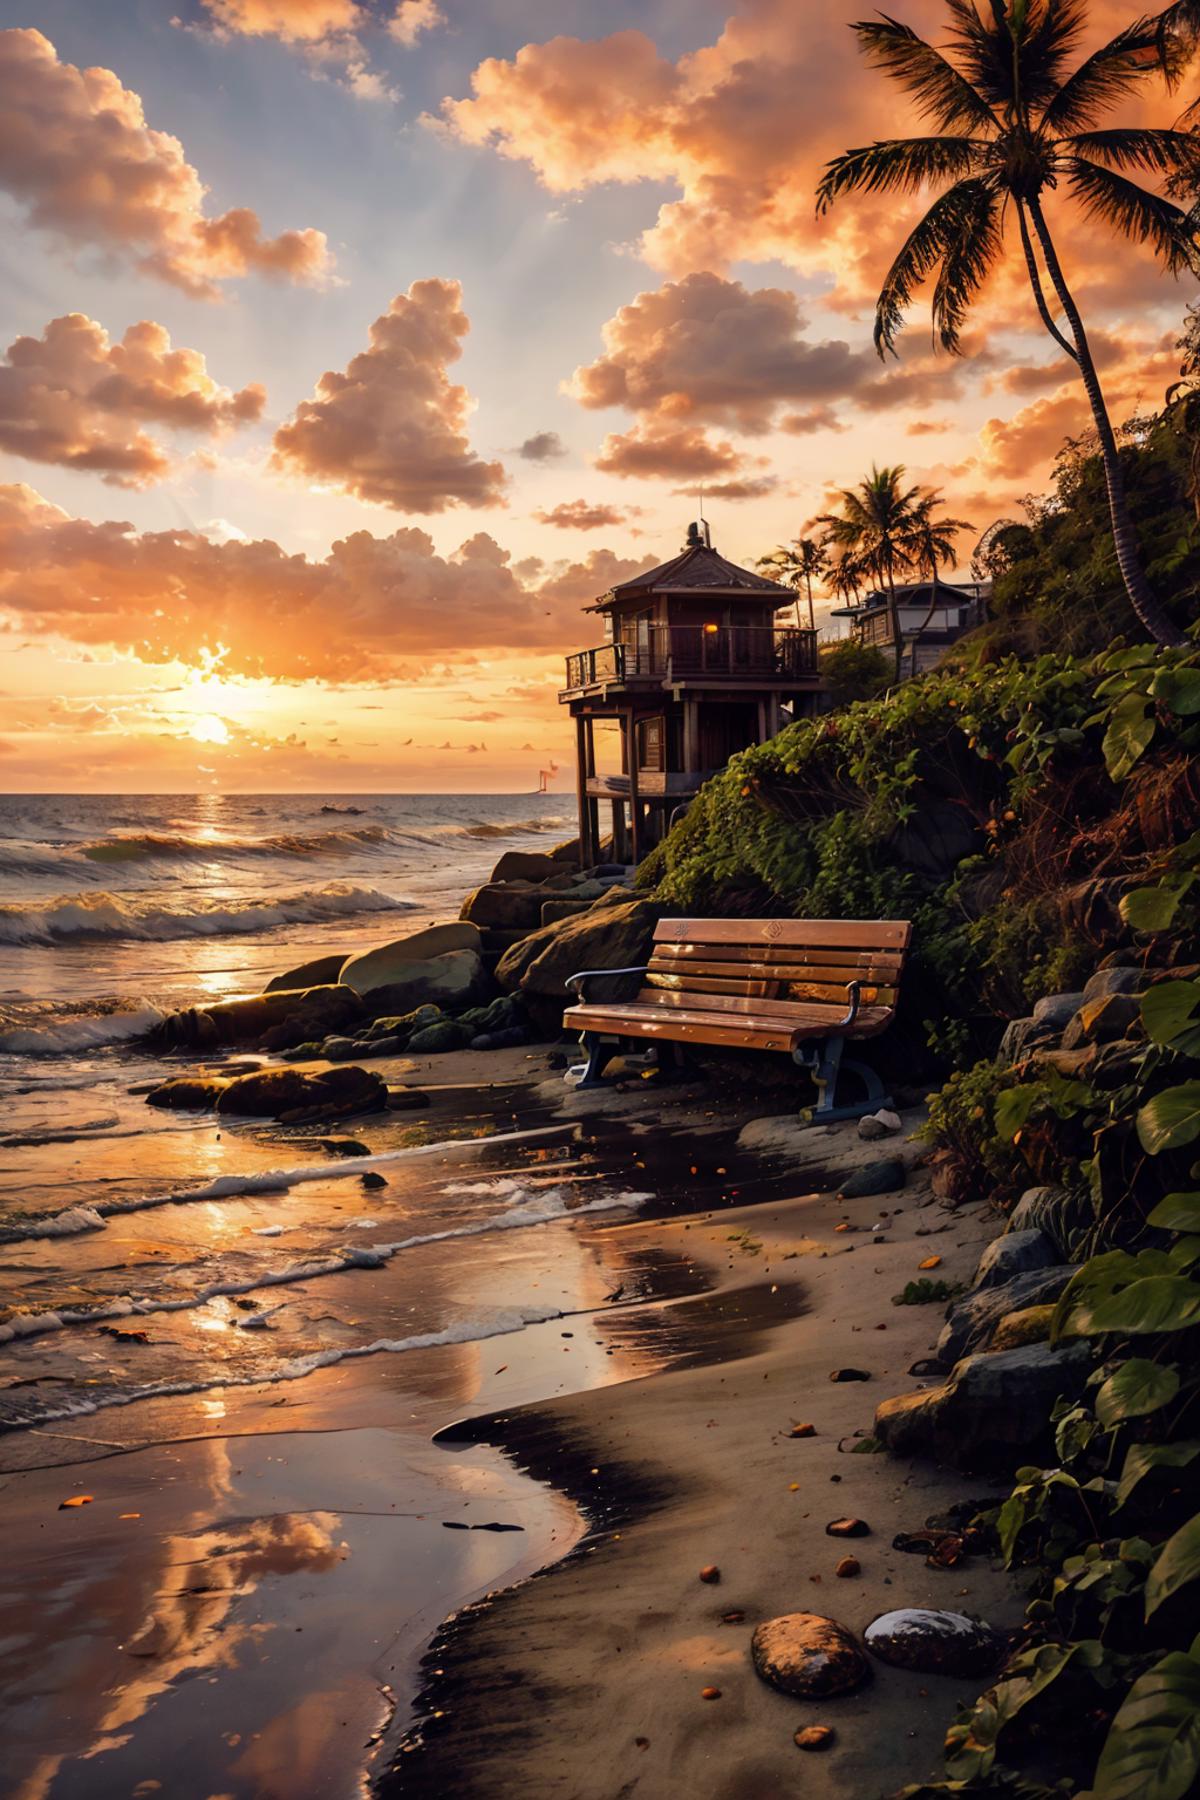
x: 586, y: 1683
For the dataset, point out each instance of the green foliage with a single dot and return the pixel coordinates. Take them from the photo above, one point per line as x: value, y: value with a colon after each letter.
x: 925, y: 1292
x: 854, y: 671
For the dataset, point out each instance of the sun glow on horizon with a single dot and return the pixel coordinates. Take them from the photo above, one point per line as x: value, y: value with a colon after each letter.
x: 209, y: 729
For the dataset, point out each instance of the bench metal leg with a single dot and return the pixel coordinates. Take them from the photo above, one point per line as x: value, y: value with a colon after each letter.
x: 826, y: 1064
x: 599, y: 1055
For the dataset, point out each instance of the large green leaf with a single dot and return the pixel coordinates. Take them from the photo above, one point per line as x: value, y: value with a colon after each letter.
x: 1152, y: 1751
x: 1177, y: 1565
x: 1170, y: 1011
x: 1172, y: 1118
x: 1176, y: 1212
x: 1178, y: 690
x: 1138, y: 1386
x: 1141, y: 1459
x: 1153, y: 908
x: 1131, y: 728
x: 1158, y: 1303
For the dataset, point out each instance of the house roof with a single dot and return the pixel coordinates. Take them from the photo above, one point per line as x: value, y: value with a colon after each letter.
x: 697, y: 569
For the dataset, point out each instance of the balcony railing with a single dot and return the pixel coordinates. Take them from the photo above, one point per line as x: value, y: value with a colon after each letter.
x: 663, y: 653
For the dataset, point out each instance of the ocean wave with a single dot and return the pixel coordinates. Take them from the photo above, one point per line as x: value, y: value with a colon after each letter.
x: 531, y: 1210
x: 267, y: 1181
x: 31, y: 1408
x: 146, y: 919
x: 136, y: 846
x: 48, y: 1035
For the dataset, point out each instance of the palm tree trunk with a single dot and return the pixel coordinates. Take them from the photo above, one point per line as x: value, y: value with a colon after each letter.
x: 1142, y: 598
x: 894, y: 614
x: 812, y: 617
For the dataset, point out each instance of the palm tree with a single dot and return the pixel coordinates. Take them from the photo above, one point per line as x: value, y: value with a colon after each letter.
x: 873, y: 529
x: 1014, y: 119
x: 930, y: 541
x: 798, y: 563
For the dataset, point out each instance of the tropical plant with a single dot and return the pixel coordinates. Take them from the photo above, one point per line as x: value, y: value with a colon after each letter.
x: 797, y: 565
x: 1013, y: 120
x: 874, y: 528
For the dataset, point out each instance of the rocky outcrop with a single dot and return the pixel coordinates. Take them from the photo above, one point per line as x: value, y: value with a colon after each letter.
x: 458, y: 979
x: 984, y: 1410
x: 971, y: 1320
x: 505, y: 906
x: 1031, y: 1325
x: 273, y: 1021
x: 607, y: 936
x: 1056, y: 1212
x: 808, y: 1656
x: 321, y: 972
x: 1016, y: 1253
x: 390, y: 964
x: 290, y: 1095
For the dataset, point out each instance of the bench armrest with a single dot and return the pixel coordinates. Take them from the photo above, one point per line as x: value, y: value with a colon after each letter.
x: 854, y: 995
x: 577, y: 981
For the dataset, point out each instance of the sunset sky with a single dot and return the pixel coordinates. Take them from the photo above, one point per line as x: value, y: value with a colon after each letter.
x: 350, y: 348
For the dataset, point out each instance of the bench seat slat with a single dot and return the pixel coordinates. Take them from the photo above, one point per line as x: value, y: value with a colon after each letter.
x: 783, y: 956
x: 890, y: 934
x: 767, y: 1031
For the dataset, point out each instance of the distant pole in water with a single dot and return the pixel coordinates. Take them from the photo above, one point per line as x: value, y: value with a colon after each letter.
x: 545, y: 776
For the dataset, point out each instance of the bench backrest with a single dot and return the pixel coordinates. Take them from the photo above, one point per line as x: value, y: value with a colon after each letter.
x: 775, y: 968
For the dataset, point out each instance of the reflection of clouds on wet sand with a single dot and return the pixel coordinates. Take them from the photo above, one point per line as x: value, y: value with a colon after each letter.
x: 192, y: 1625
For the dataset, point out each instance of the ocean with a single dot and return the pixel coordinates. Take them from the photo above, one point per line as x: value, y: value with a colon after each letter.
x: 223, y: 1354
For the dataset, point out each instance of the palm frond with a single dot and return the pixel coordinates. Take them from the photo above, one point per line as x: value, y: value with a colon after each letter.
x: 1177, y: 34
x: 900, y: 165
x: 1104, y: 77
x: 940, y: 91
x: 1018, y: 58
x: 1136, y: 213
x: 926, y: 246
x: 1141, y: 147
x: 968, y: 258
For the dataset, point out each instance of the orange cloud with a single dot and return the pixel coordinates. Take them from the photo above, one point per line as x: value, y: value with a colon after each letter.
x: 295, y: 21
x: 707, y: 348
x: 392, y: 428
x: 77, y: 153
x: 660, y: 452
x: 581, y: 515
x: 355, y: 615
x: 74, y: 398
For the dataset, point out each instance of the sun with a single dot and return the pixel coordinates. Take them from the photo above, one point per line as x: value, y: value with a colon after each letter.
x: 209, y: 729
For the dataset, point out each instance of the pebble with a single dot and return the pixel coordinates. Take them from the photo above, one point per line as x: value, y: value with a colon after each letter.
x: 798, y: 1431
x: 710, y: 1573
x: 814, y: 1737
x: 850, y: 1375
x: 710, y: 1693
x: 933, y: 1643
x: 845, y: 1528
x: 809, y: 1656
x: 848, y: 1568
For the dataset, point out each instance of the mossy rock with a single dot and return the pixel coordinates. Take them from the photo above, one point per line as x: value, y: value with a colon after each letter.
x: 1031, y: 1325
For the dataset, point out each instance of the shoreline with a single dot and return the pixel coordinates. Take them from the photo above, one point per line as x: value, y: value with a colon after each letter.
x: 584, y: 1681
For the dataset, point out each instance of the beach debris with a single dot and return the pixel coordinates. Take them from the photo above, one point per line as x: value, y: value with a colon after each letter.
x: 850, y: 1375
x: 814, y: 1737
x: 933, y: 1643
x: 733, y: 1617
x: 710, y: 1573
x: 343, y: 1147
x: 882, y: 1177
x: 930, y: 1262
x: 809, y: 1656
x: 76, y: 1500
x: 129, y: 1515
x: 127, y: 1335
x: 492, y: 1525
x: 799, y: 1431
x: 710, y: 1693
x: 881, y: 1124
x: 847, y: 1528
x: 848, y: 1568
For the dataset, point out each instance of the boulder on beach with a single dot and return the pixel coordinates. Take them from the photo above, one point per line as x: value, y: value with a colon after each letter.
x: 985, y: 1408
x: 527, y: 865
x: 321, y: 972
x: 933, y: 1643
x: 456, y: 980
x: 437, y: 1038
x: 1015, y: 1253
x: 390, y: 963
x: 504, y: 906
x: 286, y: 1094
x: 605, y: 937
x: 809, y: 1656
x: 269, y: 1021
x: 971, y: 1320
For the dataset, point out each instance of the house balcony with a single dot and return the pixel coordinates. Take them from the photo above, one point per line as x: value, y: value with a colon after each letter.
x: 698, y: 656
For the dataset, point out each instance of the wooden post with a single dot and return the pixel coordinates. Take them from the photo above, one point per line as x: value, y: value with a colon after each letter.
x: 691, y: 737
x: 635, y: 804
x: 581, y: 793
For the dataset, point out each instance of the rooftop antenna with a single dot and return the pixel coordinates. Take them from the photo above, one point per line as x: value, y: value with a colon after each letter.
x: 707, y: 534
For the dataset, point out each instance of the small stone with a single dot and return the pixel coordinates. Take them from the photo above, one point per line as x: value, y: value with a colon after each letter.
x: 848, y: 1568
x: 814, y: 1737
x: 732, y: 1618
x: 710, y: 1573
x: 882, y: 1177
x: 933, y: 1643
x: 809, y: 1656
x: 710, y: 1693
x: 850, y: 1375
x: 848, y: 1528
x: 799, y: 1431
x: 370, y: 1179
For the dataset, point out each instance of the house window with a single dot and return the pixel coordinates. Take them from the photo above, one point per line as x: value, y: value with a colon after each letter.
x: 651, y: 744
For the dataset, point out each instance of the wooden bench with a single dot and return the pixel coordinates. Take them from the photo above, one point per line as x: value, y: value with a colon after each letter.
x: 800, y: 986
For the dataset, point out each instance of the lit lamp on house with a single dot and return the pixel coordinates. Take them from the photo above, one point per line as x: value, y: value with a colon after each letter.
x: 693, y: 668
